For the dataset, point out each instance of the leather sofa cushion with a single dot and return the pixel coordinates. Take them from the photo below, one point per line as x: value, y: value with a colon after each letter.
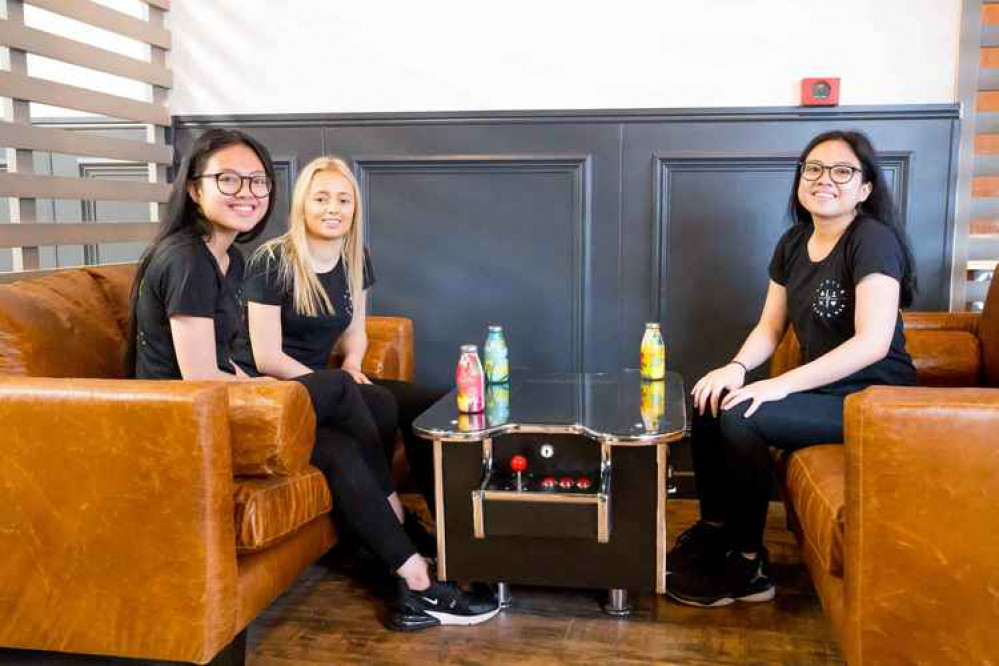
x: 115, y: 281
x: 945, y: 358
x: 268, y: 510
x: 273, y: 428
x: 816, y: 487
x: 59, y: 326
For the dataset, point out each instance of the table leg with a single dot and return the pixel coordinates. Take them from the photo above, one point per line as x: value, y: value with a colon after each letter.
x: 617, y: 603
x: 503, y: 596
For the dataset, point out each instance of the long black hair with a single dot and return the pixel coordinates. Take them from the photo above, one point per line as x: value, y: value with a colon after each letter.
x: 183, y: 220
x: 878, y: 205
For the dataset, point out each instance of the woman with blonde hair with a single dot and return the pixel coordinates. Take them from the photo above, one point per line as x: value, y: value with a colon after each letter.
x: 305, y: 291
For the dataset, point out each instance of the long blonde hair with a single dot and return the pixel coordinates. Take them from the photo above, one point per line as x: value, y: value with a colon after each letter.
x: 295, y: 272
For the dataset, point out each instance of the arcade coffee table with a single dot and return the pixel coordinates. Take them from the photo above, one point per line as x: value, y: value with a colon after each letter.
x: 560, y: 482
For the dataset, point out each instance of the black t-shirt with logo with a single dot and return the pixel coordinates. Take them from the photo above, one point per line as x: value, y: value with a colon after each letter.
x: 308, y: 340
x: 183, y: 278
x: 821, y: 296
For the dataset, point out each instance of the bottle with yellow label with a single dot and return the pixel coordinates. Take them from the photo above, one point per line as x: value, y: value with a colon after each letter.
x: 653, y: 352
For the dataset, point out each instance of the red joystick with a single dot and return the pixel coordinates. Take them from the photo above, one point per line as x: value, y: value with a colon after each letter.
x: 518, y: 463
x: 548, y: 483
x: 583, y: 482
x: 566, y: 483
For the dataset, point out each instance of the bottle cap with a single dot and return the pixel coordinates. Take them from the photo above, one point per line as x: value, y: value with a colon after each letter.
x: 652, y: 324
x: 469, y: 349
x: 493, y: 328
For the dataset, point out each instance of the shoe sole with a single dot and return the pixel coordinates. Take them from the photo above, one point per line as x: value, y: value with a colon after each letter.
x: 757, y: 597
x: 461, y: 620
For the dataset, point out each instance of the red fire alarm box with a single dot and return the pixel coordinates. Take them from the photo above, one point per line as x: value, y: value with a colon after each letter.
x: 823, y: 91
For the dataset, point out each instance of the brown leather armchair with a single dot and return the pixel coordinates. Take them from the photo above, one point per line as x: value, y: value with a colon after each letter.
x: 147, y: 519
x: 898, y: 526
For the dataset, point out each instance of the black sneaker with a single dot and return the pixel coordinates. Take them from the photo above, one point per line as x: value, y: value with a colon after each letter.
x: 440, y: 604
x: 424, y: 542
x: 741, y: 579
x: 702, y: 546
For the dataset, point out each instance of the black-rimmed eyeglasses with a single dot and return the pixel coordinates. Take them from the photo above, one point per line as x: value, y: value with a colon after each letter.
x: 231, y: 182
x: 841, y: 174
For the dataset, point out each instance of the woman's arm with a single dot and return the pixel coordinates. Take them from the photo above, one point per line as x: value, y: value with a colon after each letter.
x: 874, y: 325
x: 265, y: 337
x: 758, y: 347
x: 766, y: 335
x: 194, y: 345
x: 354, y: 341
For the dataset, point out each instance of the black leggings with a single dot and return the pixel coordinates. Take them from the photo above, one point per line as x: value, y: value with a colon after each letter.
x: 732, y: 460
x: 412, y: 401
x: 349, y: 452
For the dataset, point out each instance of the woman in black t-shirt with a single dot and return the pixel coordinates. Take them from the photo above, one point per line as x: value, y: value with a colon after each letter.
x: 839, y: 276
x: 185, y: 308
x: 305, y: 291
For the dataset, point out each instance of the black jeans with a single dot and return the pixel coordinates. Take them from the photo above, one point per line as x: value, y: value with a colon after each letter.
x: 349, y: 452
x: 413, y: 400
x: 732, y: 460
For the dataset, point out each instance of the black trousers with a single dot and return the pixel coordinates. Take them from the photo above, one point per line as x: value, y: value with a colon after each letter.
x: 732, y: 460
x: 349, y: 452
x: 413, y: 400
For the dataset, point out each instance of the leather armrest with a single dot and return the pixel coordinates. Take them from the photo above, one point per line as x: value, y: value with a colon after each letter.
x: 382, y: 360
x: 921, y: 545
x: 390, y: 349
x: 116, y: 518
x: 273, y: 428
x: 942, y: 321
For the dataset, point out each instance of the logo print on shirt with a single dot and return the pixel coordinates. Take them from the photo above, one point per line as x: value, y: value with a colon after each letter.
x: 830, y: 299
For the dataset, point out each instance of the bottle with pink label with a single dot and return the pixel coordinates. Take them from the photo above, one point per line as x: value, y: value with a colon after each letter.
x: 470, y: 380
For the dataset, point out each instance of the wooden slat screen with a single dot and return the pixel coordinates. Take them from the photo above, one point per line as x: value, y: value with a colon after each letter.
x: 979, y: 241
x: 22, y: 135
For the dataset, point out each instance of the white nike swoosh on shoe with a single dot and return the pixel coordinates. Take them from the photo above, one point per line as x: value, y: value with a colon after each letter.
x: 430, y: 601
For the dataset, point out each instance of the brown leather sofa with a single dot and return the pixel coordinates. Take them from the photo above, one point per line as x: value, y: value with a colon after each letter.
x: 147, y: 519
x: 899, y: 527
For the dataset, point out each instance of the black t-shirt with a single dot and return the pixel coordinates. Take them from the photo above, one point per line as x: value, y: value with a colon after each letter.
x: 821, y: 296
x: 308, y: 340
x: 183, y: 278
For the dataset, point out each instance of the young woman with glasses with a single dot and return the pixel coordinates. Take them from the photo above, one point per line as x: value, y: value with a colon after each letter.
x: 186, y: 309
x: 305, y: 292
x: 839, y: 276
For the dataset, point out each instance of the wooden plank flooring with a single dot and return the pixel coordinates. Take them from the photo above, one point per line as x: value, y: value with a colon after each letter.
x: 330, y: 618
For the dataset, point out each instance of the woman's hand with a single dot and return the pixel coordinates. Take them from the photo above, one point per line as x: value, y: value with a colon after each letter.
x: 709, y: 388
x: 767, y: 390
x: 355, y: 372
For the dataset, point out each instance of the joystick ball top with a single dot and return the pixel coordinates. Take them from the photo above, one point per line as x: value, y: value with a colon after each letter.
x: 518, y: 463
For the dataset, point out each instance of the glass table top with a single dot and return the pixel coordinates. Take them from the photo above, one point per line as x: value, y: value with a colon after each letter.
x: 616, y: 407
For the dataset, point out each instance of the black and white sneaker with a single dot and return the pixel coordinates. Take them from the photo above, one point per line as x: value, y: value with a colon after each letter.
x: 740, y: 579
x: 702, y: 546
x: 440, y: 604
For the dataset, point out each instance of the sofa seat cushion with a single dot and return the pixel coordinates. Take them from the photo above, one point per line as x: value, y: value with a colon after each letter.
x: 815, y: 484
x: 269, y: 509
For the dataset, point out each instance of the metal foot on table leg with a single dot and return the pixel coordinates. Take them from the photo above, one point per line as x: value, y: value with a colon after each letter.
x: 617, y: 603
x: 503, y: 596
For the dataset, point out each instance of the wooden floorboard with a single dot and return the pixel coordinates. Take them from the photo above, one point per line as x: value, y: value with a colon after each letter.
x: 328, y: 617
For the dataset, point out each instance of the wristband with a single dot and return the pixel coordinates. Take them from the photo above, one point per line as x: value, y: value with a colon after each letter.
x: 741, y: 365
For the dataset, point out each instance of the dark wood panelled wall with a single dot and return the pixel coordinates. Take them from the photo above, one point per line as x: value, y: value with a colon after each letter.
x: 572, y: 229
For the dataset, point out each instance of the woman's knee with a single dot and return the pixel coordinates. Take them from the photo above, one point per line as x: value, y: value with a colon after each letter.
x: 381, y: 403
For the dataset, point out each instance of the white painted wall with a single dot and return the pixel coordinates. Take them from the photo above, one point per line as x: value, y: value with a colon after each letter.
x: 293, y: 56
